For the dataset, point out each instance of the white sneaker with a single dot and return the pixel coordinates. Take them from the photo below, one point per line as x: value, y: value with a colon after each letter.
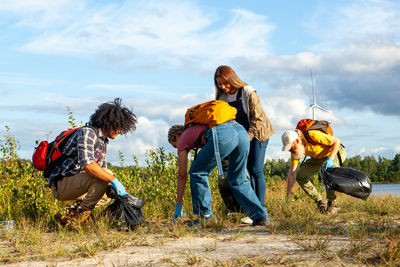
x: 246, y: 220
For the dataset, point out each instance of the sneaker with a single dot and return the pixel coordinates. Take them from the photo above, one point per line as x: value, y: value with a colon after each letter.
x: 246, y: 220
x: 262, y: 222
x: 205, y: 219
x: 332, y: 208
x: 322, y: 205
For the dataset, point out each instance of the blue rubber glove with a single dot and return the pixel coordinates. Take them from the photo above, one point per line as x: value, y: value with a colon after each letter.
x: 118, y: 187
x: 329, y: 163
x: 178, y: 212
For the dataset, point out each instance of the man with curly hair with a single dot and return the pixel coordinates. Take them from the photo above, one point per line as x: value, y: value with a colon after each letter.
x: 83, y: 175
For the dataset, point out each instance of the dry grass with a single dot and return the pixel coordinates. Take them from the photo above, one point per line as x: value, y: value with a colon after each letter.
x: 370, y: 228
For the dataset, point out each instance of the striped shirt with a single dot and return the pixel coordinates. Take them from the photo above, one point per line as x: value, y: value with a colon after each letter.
x: 83, y: 150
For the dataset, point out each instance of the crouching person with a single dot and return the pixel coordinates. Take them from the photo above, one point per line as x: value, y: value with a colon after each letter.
x: 82, y: 175
x: 323, y: 149
x: 233, y: 143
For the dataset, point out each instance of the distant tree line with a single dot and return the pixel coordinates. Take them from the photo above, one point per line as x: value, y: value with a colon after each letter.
x: 381, y: 170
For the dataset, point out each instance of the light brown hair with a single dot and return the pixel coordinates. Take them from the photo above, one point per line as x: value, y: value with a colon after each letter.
x: 229, y: 75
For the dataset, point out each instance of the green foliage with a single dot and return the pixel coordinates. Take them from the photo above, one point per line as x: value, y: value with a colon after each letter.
x: 154, y: 183
x: 71, y: 118
x: 23, y: 191
x: 381, y: 170
x: 276, y: 169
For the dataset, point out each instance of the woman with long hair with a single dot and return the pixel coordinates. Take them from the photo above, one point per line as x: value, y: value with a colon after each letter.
x: 251, y: 116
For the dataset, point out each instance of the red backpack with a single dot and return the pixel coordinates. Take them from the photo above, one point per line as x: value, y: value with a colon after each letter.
x: 48, y: 155
x: 306, y: 125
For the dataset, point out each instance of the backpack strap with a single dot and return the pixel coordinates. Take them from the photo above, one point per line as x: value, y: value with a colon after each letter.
x: 216, y: 150
x: 63, y: 157
x: 309, y: 139
x: 239, y: 93
x: 197, y: 143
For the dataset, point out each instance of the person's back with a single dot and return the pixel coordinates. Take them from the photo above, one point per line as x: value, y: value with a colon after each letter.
x: 324, y: 149
x: 229, y: 140
x: 86, y: 145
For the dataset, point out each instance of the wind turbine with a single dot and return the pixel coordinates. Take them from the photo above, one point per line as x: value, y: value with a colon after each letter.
x: 314, y: 105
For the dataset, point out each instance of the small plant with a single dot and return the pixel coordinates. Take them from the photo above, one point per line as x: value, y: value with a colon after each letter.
x: 319, y: 243
x: 191, y: 258
x: 212, y: 247
x: 391, y: 252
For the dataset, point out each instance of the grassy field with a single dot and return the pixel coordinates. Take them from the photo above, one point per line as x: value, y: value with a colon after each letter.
x: 371, y: 228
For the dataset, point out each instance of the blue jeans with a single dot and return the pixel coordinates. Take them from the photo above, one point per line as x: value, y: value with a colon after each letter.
x: 233, y: 143
x: 255, y: 166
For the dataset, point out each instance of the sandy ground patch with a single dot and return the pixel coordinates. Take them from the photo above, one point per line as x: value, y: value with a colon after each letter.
x: 252, y: 245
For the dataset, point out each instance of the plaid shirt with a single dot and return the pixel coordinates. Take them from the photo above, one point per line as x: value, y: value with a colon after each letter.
x: 81, y: 146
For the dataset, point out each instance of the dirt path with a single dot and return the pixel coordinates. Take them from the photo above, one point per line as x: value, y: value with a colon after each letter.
x: 250, y: 246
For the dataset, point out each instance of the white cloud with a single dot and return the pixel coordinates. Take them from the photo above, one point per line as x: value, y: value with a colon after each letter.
x: 172, y: 33
x: 378, y: 149
x: 397, y: 149
x: 142, y: 89
x: 19, y: 80
x: 43, y: 14
x: 149, y: 134
x: 357, y: 22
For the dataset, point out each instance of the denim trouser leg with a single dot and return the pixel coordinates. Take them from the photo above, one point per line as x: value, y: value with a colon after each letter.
x: 233, y: 142
x: 240, y: 185
x: 205, y: 163
x: 255, y: 166
x: 201, y: 168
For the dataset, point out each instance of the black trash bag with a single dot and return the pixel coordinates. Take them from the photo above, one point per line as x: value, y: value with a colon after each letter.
x: 346, y: 180
x: 126, y: 210
x: 228, y: 198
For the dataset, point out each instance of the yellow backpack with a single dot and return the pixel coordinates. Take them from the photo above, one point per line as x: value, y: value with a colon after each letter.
x: 211, y: 113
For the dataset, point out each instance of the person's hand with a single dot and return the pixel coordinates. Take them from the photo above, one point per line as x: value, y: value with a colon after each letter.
x: 178, y: 212
x: 328, y: 163
x: 118, y: 187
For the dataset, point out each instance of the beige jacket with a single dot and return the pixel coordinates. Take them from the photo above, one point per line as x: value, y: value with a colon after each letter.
x: 260, y: 126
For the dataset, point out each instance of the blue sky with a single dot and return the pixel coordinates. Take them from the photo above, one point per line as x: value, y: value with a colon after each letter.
x: 160, y: 57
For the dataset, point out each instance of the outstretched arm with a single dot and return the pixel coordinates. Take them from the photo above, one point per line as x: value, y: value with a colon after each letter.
x: 291, y: 179
x: 182, y: 175
x: 335, y: 147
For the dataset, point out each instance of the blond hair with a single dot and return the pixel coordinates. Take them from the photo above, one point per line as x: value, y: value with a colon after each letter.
x: 299, y: 133
x: 229, y: 75
x: 175, y: 130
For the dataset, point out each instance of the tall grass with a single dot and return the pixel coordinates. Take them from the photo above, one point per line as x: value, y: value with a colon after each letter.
x: 372, y: 227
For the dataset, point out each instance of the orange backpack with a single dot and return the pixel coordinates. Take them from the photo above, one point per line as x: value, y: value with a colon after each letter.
x: 306, y: 125
x: 211, y: 113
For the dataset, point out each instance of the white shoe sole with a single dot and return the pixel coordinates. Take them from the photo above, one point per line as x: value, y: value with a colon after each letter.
x: 246, y: 220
